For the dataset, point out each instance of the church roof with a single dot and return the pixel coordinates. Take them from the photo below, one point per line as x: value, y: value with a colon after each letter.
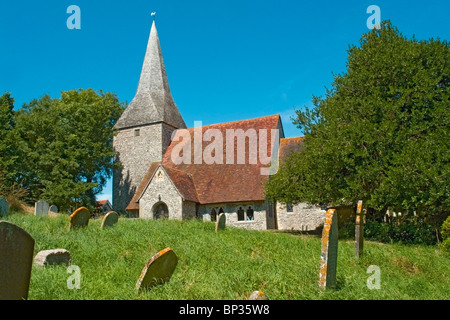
x: 218, y: 183
x: 153, y: 100
x: 288, y: 145
x: 182, y: 181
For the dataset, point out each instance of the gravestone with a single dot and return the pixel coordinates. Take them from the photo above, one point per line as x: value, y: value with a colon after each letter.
x: 359, y: 231
x: 4, y: 207
x: 158, y: 269
x: 52, y: 257
x: 109, y: 219
x: 53, y: 209
x: 16, y: 257
x: 257, y: 295
x: 79, y: 218
x: 328, y: 257
x: 41, y: 208
x: 221, y: 221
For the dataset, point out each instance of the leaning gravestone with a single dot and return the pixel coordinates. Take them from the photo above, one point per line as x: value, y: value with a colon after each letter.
x: 158, y: 269
x: 53, y: 209
x: 4, y: 207
x: 16, y: 257
x: 41, y: 208
x: 52, y: 257
x: 328, y: 257
x: 359, y: 231
x: 109, y: 219
x: 221, y: 221
x: 79, y: 218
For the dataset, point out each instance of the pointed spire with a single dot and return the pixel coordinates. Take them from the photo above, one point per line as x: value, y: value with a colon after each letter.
x: 153, y: 101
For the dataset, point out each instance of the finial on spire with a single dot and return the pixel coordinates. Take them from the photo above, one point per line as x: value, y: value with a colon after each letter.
x: 153, y: 14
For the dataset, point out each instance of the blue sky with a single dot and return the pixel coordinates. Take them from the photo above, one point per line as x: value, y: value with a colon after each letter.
x: 226, y: 60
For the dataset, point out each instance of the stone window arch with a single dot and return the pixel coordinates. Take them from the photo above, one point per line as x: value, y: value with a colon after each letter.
x: 241, y: 214
x: 160, y: 211
x: 249, y: 212
x: 213, y: 215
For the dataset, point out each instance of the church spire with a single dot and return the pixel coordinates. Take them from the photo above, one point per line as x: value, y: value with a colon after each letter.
x: 153, y: 101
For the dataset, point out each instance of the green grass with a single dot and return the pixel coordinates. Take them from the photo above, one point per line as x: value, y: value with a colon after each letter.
x: 226, y: 265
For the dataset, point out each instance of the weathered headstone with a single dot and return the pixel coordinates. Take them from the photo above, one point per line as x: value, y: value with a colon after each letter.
x: 109, y: 219
x: 4, y: 207
x: 328, y: 257
x: 16, y: 257
x: 53, y: 209
x: 359, y: 231
x: 221, y: 221
x: 52, y: 257
x: 158, y: 269
x: 79, y: 218
x: 257, y: 295
x: 41, y: 208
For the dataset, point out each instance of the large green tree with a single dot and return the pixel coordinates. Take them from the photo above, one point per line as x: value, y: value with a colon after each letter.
x: 66, y: 146
x: 8, y: 142
x: 380, y: 134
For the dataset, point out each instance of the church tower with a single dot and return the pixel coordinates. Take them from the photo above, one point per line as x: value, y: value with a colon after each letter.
x: 146, y: 125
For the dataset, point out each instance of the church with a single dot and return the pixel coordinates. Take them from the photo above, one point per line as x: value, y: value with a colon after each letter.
x: 162, y: 176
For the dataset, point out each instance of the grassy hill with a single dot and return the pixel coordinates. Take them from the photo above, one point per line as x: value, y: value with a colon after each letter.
x: 226, y: 265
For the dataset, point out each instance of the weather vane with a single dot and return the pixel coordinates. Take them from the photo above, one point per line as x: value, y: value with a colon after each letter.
x: 153, y: 15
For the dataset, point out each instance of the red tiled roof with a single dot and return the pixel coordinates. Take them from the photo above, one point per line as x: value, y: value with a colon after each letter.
x: 288, y: 145
x: 101, y: 202
x: 216, y: 183
x: 183, y: 182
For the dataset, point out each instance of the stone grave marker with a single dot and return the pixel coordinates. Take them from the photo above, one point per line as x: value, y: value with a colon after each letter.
x: 257, y: 295
x: 4, y: 207
x: 359, y: 231
x: 158, y: 269
x: 53, y: 209
x: 52, y: 257
x: 41, y: 208
x: 221, y: 221
x: 16, y: 258
x: 109, y: 219
x: 79, y: 218
x: 329, y: 254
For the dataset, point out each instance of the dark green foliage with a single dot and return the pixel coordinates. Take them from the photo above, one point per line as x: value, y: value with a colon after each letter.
x: 445, y: 232
x: 65, y: 147
x: 411, y: 231
x: 381, y: 133
x: 8, y: 142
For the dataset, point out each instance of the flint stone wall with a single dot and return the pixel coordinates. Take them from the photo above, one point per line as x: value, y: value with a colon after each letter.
x: 161, y: 189
x: 136, y: 154
x: 304, y: 217
x: 230, y: 209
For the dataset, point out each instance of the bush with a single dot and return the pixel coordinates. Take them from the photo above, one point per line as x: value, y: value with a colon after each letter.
x: 445, y: 232
x: 445, y: 229
x: 407, y: 231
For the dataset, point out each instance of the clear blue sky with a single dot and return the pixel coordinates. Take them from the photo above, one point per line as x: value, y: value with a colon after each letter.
x: 226, y: 60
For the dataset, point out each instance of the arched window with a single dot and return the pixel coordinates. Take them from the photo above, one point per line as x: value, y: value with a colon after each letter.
x: 240, y: 214
x: 250, y: 213
x: 161, y: 211
x: 213, y: 215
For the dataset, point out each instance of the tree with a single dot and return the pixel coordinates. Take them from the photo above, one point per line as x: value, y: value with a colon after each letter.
x: 67, y: 147
x: 8, y: 155
x: 381, y: 133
